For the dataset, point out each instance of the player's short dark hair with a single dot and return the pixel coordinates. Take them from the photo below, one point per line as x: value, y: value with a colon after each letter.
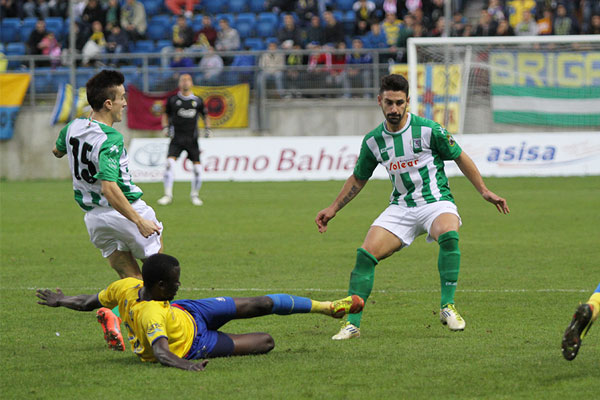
x: 102, y: 87
x: 157, y: 267
x: 395, y: 83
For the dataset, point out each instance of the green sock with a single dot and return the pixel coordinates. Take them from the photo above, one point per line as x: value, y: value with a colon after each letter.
x: 116, y: 311
x: 361, y: 280
x: 448, y: 265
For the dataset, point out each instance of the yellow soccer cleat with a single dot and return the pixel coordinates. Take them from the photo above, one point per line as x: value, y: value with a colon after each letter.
x: 348, y: 305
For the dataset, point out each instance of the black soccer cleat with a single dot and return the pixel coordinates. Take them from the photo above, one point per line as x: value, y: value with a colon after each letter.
x: 576, y: 331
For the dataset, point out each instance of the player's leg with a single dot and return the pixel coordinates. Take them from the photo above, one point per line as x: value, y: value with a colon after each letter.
x: 444, y: 230
x: 286, y: 304
x: 193, y: 151
x: 378, y: 244
x: 169, y: 176
x: 125, y: 264
x: 582, y: 321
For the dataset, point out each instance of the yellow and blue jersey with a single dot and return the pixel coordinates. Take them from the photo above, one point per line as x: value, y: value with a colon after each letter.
x: 147, y: 321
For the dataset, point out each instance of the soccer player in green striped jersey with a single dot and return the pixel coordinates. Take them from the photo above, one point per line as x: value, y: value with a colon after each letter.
x: 413, y: 150
x: 118, y: 221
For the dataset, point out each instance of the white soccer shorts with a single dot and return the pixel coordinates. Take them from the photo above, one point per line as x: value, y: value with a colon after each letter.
x: 407, y: 223
x: 110, y: 231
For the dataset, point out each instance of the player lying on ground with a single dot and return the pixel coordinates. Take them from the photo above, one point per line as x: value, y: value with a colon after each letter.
x: 582, y: 321
x: 176, y: 332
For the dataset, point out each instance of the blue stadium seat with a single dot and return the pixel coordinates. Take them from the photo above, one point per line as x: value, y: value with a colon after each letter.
x: 27, y: 27
x: 344, y: 5
x: 254, y: 43
x: 157, y: 77
x: 227, y: 16
x: 161, y: 44
x: 244, y: 23
x: 237, y: 6
x: 349, y: 20
x: 15, y: 49
x: 159, y: 28
x: 144, y: 46
x: 267, y: 24
x: 59, y: 76
x: 257, y: 6
x: 10, y: 30
x: 42, y: 80
x: 213, y: 6
x: 338, y: 15
x: 56, y: 26
x: 132, y: 75
x: 82, y: 75
x: 153, y: 7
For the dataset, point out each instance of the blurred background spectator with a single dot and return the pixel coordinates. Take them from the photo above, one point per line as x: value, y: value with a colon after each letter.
x: 177, y: 7
x: 133, y: 19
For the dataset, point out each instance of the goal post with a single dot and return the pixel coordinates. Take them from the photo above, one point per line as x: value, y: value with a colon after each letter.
x: 507, y: 84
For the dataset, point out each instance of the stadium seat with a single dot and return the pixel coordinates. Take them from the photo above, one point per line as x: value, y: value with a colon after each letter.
x: 237, y: 6
x: 59, y: 76
x: 161, y: 44
x: 349, y: 20
x: 157, y: 78
x: 15, y: 49
x: 213, y: 6
x: 10, y: 30
x: 144, y: 46
x: 257, y: 6
x: 158, y: 29
x: 82, y: 75
x: 27, y: 27
x: 56, y: 26
x: 266, y: 24
x: 338, y: 15
x: 132, y: 75
x: 229, y: 17
x: 244, y: 23
x: 42, y: 80
x: 153, y: 7
x: 254, y: 43
x: 344, y: 5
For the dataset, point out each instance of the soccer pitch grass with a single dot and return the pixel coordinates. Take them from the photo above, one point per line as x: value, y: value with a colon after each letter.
x: 522, y: 276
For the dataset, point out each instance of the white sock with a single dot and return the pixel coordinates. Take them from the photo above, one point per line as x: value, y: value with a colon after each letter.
x: 169, y: 177
x: 196, y: 180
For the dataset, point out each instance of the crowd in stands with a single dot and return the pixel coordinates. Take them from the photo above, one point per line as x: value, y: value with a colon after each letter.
x: 121, y: 26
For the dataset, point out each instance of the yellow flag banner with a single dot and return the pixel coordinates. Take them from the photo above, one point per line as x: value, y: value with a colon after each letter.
x: 435, y: 91
x: 70, y: 104
x: 12, y: 92
x: 226, y: 106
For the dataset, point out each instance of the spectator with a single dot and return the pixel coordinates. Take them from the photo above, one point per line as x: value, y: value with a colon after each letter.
x: 176, y: 7
x: 95, y: 45
x: 468, y: 31
x: 390, y: 7
x: 133, y: 19
x: 458, y: 24
x: 594, y: 28
x: 294, y: 61
x: 181, y: 62
x: 375, y: 39
x: 319, y: 62
x: 279, y: 6
x: 527, y: 26
x: 361, y: 27
x: 207, y: 35
x: 59, y: 8
x: 364, y: 9
x: 305, y: 10
x: 117, y: 42
x: 183, y: 35
x: 93, y: 12
x: 113, y: 14
x: 244, y: 67
x: 228, y: 39
x: 50, y: 47
x: 496, y: 10
x: 504, y: 28
x: 333, y: 31
x: 486, y: 26
x: 435, y: 11
x: 36, y: 37
x: 212, y: 67
x: 516, y: 8
x: 359, y: 69
x: 563, y: 24
x: 422, y: 19
x: 412, y: 5
x: 544, y: 24
x: 289, y: 31
x: 314, y: 33
x: 438, y: 30
x: 9, y: 9
x: 36, y: 9
x: 337, y: 73
x: 272, y: 64
x: 589, y: 8
x: 391, y: 26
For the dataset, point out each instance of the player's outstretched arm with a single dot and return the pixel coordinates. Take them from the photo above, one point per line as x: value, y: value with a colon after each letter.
x: 351, y: 188
x: 469, y: 169
x: 119, y: 202
x: 162, y: 353
x: 82, y: 302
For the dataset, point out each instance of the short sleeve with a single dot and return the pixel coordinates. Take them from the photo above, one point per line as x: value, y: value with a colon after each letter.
x: 168, y: 107
x: 108, y: 297
x: 366, y: 163
x: 153, y: 321
x: 201, y: 108
x: 61, y: 141
x: 109, y: 158
x: 443, y: 144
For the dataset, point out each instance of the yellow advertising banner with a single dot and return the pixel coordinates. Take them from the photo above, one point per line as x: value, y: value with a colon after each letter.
x: 226, y: 106
x: 12, y: 92
x: 436, y: 85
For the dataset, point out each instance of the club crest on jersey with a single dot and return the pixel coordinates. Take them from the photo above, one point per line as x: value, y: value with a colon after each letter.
x: 194, y: 104
x: 178, y: 102
x: 417, y: 144
x: 451, y: 140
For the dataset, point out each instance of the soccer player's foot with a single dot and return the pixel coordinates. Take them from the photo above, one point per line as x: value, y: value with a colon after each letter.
x: 348, y: 305
x: 576, y: 331
x: 348, y: 331
x: 449, y: 316
x: 111, y: 325
x: 196, y: 201
x: 165, y: 200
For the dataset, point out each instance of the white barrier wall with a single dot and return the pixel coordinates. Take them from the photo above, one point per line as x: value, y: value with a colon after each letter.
x: 324, y: 158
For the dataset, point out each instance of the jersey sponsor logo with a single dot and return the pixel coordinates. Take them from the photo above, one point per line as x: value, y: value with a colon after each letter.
x: 398, y: 165
x: 154, y: 329
x: 183, y: 113
x: 524, y: 152
x: 382, y: 151
x: 151, y: 154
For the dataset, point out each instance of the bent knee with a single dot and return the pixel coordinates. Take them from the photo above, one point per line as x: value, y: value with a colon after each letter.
x: 268, y: 343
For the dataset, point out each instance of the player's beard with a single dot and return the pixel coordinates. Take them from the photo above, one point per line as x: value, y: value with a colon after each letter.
x: 395, y: 119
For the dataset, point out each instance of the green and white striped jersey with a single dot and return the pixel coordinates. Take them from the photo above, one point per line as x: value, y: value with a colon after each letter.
x: 414, y: 158
x: 96, y: 153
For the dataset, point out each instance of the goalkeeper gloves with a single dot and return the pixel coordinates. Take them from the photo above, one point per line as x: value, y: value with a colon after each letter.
x: 207, y: 133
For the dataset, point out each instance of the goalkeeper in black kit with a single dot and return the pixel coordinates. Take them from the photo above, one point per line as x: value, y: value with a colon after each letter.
x: 180, y: 122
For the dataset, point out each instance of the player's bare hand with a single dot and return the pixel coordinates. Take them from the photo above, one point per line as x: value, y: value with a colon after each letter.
x: 49, y: 298
x: 198, y: 366
x: 148, y: 228
x: 323, y: 217
x: 496, y: 200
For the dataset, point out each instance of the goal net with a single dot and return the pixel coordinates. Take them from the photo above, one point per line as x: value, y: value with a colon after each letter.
x: 507, y: 84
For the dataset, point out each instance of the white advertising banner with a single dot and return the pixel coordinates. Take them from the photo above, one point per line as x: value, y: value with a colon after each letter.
x: 334, y: 157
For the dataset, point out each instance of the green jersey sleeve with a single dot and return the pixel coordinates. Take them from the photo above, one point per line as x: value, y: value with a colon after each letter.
x: 61, y: 142
x: 109, y: 157
x: 366, y: 163
x: 444, y: 144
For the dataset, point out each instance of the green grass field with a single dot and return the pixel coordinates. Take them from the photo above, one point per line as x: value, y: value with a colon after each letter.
x: 522, y: 276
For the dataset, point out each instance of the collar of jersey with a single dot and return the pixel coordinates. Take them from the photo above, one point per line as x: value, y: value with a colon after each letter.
x: 402, y: 130
x: 182, y: 96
